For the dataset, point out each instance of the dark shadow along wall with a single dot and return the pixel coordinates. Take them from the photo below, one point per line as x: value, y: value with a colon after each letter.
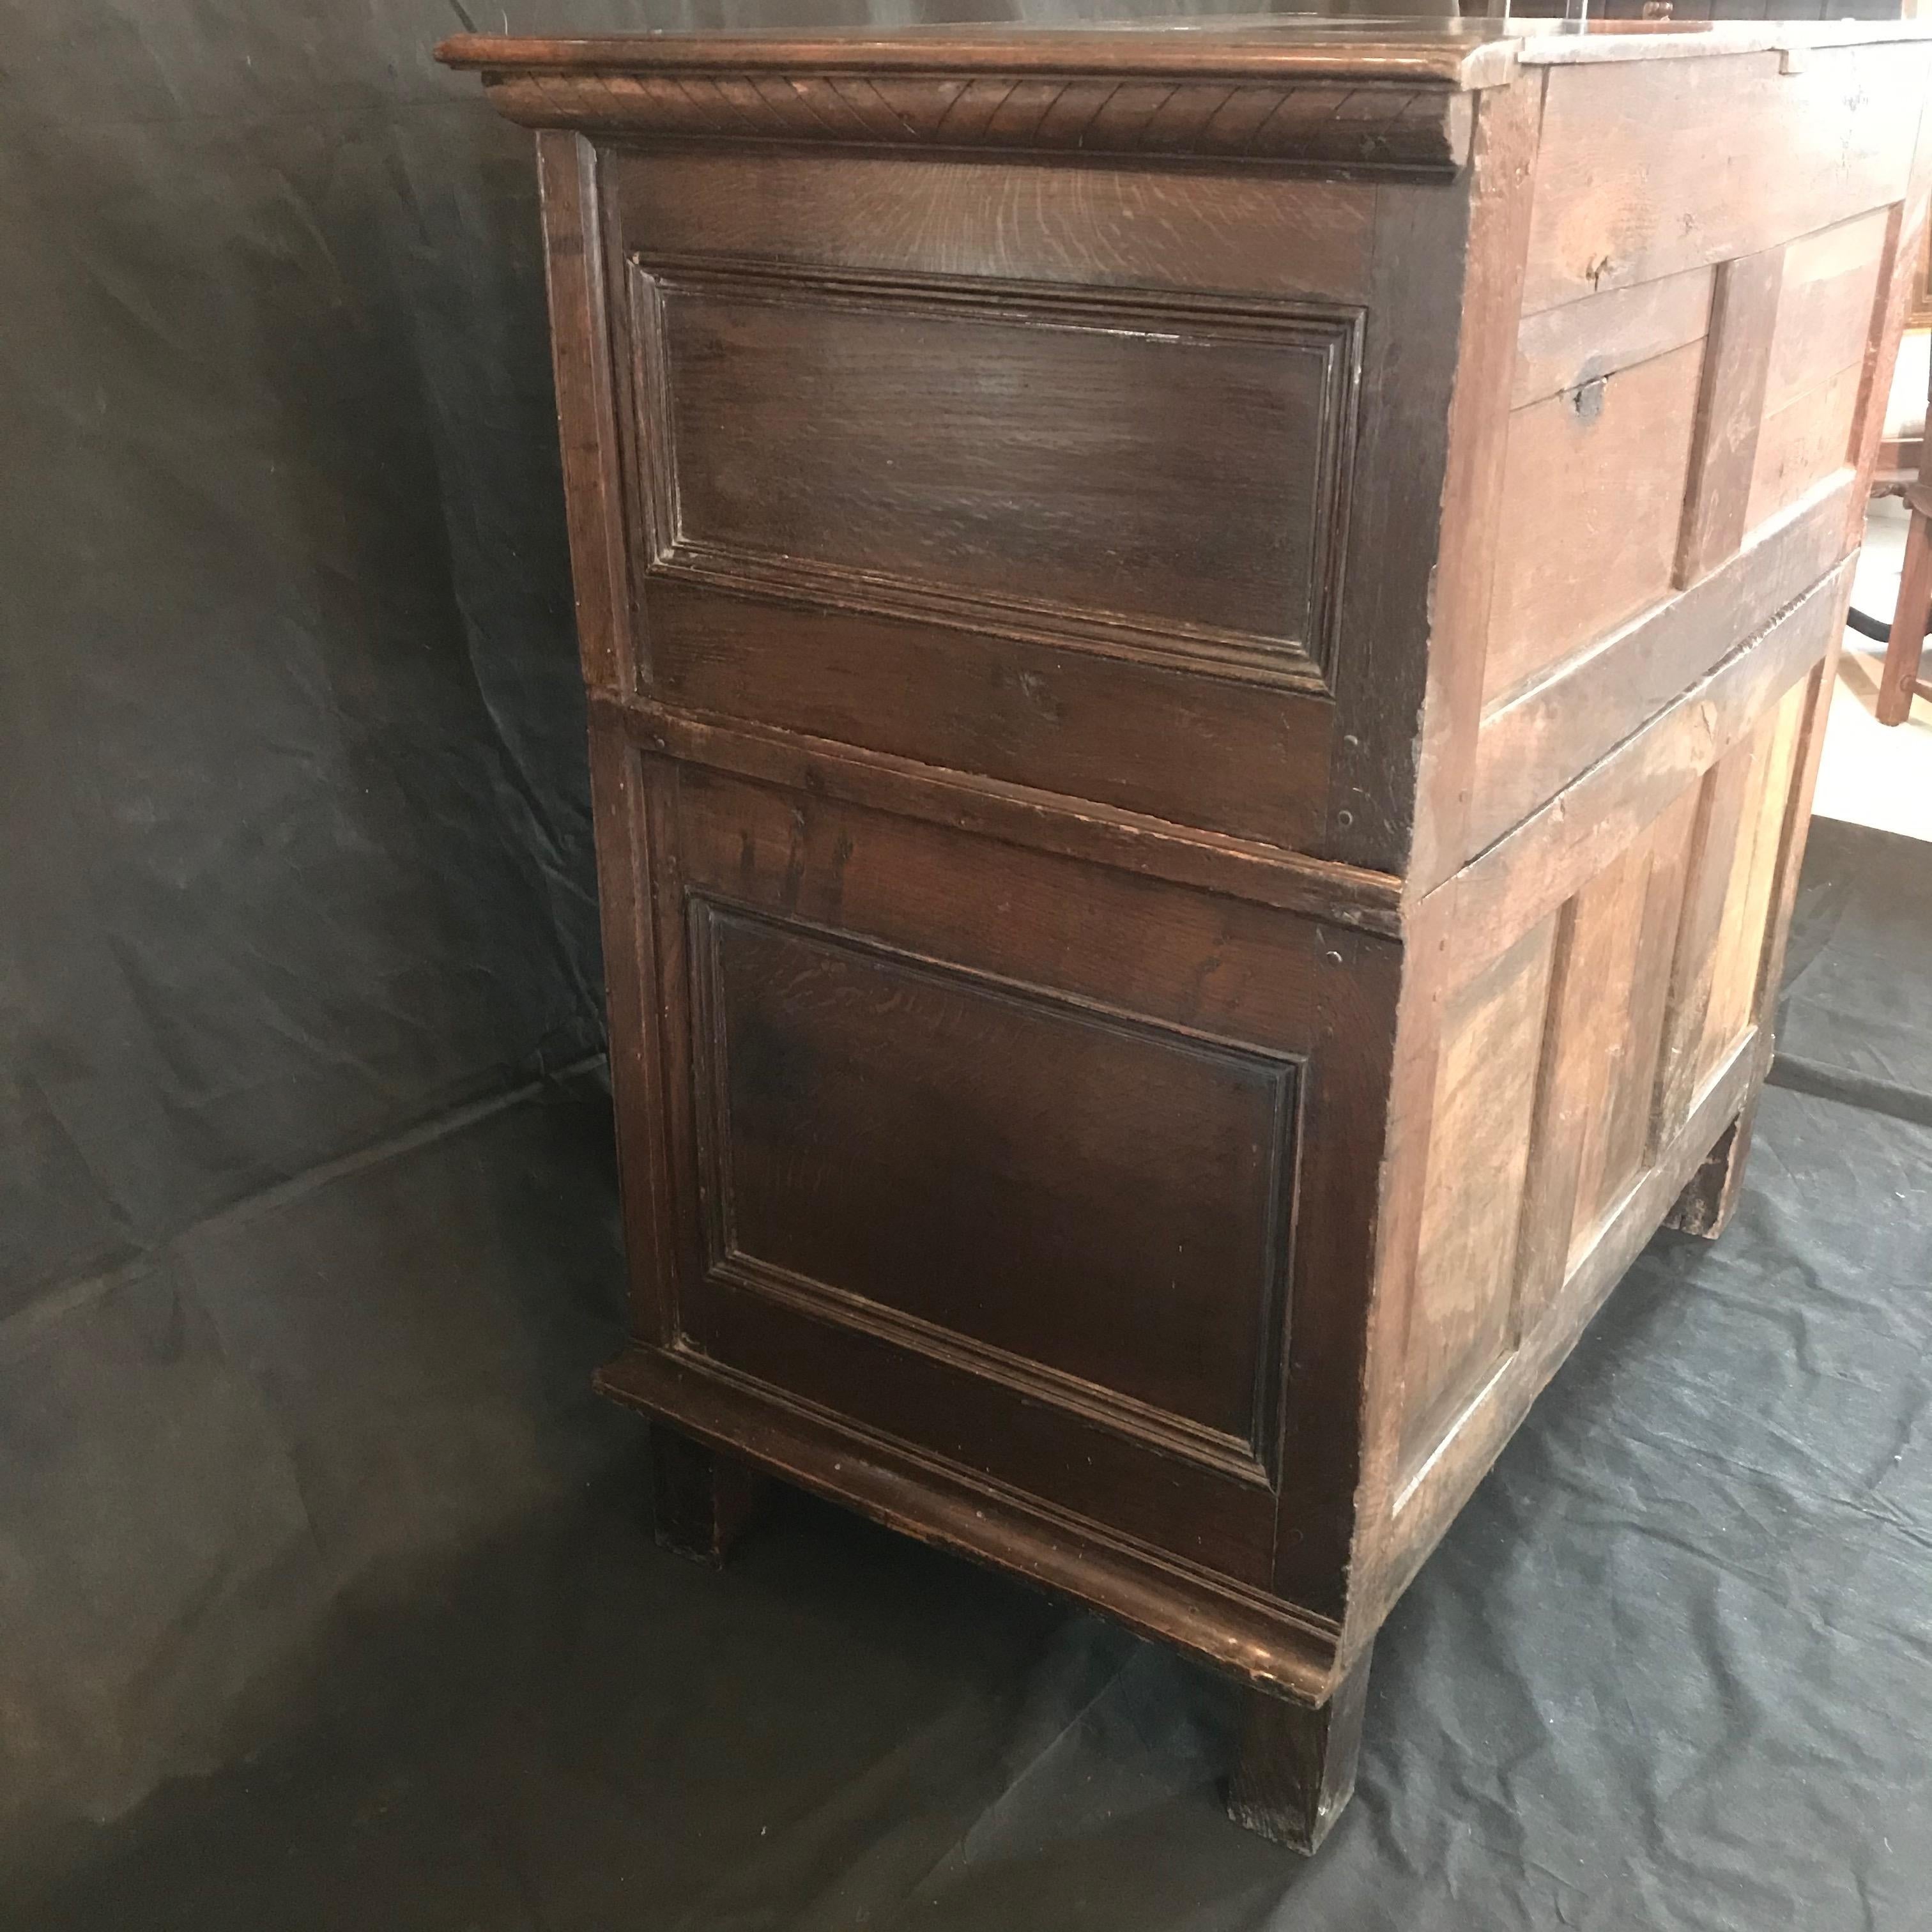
x: 295, y: 859
x: 294, y: 846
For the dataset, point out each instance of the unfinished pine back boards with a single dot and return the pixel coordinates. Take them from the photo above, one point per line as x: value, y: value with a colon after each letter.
x: 1207, y: 650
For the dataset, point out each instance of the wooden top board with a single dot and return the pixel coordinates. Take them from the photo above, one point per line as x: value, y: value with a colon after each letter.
x: 1354, y: 97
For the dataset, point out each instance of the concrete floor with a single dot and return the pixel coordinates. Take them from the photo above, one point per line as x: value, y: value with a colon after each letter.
x: 1874, y: 774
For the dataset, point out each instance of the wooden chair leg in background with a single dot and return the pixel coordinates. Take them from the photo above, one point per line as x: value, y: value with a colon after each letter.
x: 700, y: 1500
x: 1900, y: 679
x: 1296, y: 1766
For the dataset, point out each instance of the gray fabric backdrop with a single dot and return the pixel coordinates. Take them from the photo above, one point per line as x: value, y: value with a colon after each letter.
x: 294, y: 839
x: 306, y: 1252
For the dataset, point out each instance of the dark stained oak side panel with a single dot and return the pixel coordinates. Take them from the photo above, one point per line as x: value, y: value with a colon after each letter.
x: 1164, y: 480
x: 1099, y: 226
x: 1019, y: 1029
x: 1461, y: 585
x: 1253, y: 1635
x: 586, y: 391
x: 1044, y: 1190
x: 1143, y: 737
x: 1209, y: 963
x: 1070, y: 687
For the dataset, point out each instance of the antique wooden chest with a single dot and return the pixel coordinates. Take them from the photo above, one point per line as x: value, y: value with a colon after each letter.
x: 1206, y: 650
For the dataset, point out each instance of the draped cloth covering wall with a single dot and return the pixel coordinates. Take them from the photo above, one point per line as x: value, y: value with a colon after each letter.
x: 306, y: 1254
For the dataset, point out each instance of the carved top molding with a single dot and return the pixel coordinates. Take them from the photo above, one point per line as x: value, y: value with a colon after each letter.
x: 1352, y: 104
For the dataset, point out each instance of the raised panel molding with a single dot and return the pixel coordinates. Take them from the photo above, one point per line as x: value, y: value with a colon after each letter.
x: 1087, y: 436
x: 921, y: 1020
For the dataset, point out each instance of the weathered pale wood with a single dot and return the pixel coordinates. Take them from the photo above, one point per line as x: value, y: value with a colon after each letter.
x: 1797, y: 830
x: 1743, y: 931
x: 1807, y: 440
x: 1900, y: 275
x: 1723, y: 813
x: 1604, y: 1057
x: 1414, y: 1071
x: 1594, y: 480
x: 1526, y: 875
x: 1753, y: 156
x: 1427, y: 1505
x: 1600, y: 1053
x: 1710, y: 1196
x: 1536, y: 744
x: 1462, y: 1313
x: 1830, y: 290
x: 1560, y: 348
x: 1906, y: 232
x: 1625, y: 1133
x: 1744, y: 305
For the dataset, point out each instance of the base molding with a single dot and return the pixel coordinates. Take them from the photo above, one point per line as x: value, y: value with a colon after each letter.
x: 1264, y: 1643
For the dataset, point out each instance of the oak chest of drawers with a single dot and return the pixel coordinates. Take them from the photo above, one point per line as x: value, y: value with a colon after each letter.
x: 1206, y: 654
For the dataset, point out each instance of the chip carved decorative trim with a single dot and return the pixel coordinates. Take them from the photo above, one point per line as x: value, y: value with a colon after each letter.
x: 1402, y: 119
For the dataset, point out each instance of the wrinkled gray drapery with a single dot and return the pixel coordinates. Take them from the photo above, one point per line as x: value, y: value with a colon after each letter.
x: 305, y: 1252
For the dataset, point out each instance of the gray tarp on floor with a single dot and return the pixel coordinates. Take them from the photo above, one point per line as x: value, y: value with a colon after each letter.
x: 1671, y: 1668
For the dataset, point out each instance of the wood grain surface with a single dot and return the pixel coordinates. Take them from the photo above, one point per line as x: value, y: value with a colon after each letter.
x: 1207, y: 651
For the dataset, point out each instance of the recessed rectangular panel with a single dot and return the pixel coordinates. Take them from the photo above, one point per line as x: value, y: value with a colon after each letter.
x: 1802, y: 444
x: 1825, y: 305
x: 1646, y: 168
x: 1161, y: 477
x: 1743, y: 927
x: 1462, y: 1317
x: 1593, y: 497
x: 1089, y: 1209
